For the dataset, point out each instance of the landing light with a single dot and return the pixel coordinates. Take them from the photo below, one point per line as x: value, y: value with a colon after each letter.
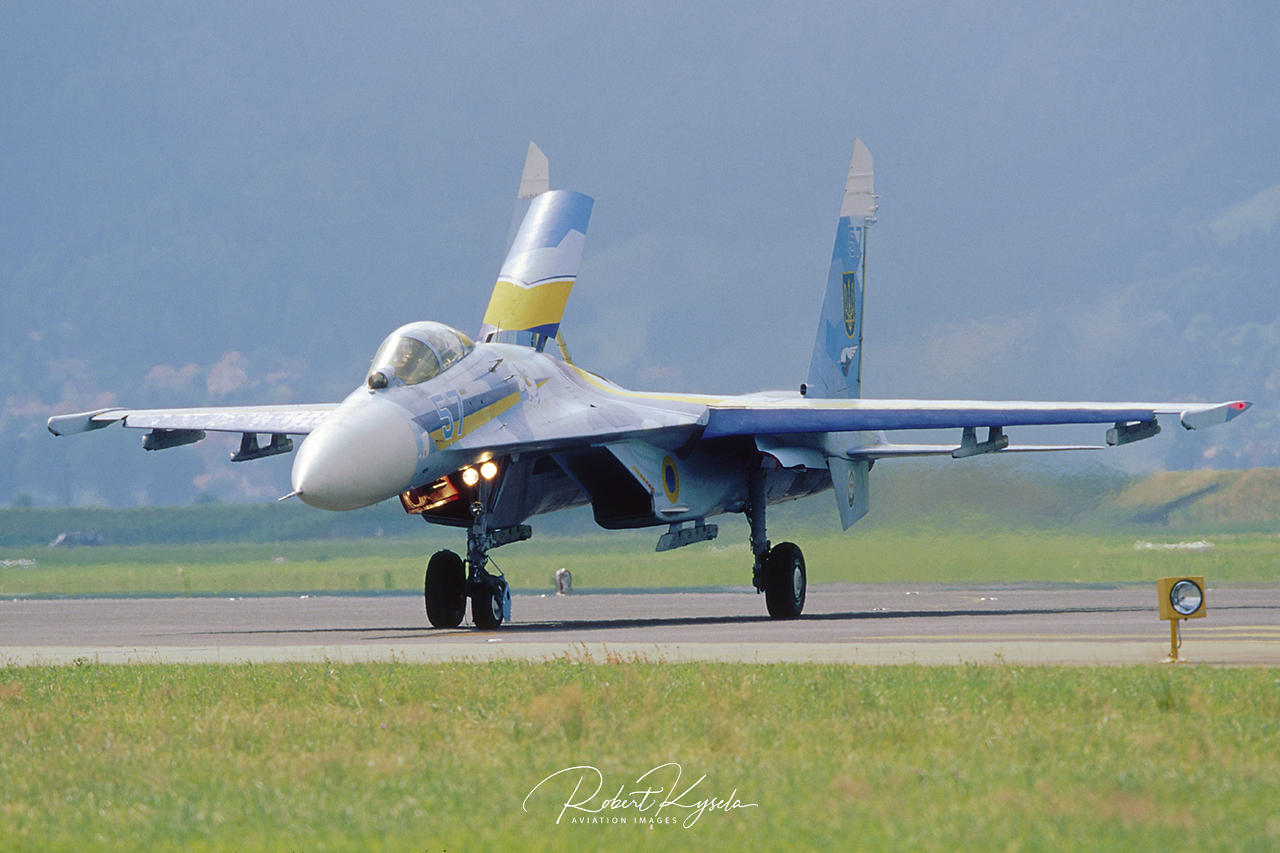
x: 470, y: 476
x: 488, y: 470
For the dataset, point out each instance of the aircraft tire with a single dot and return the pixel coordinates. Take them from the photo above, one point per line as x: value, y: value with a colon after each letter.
x: 445, y: 590
x: 486, y: 610
x: 785, y: 581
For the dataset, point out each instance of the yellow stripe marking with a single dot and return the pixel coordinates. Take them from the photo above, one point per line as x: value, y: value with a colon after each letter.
x: 595, y: 381
x: 474, y: 421
x: 515, y: 306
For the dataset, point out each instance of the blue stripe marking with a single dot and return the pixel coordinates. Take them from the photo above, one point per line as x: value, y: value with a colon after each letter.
x: 550, y: 218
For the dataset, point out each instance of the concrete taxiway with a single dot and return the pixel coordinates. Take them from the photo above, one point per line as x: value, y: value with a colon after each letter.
x: 845, y: 623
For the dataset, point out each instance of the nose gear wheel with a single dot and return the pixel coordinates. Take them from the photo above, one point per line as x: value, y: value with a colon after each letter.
x: 445, y: 590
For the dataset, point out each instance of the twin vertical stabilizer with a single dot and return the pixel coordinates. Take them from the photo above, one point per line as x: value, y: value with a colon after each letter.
x: 835, y: 370
x: 534, y: 181
x: 836, y: 367
x: 542, y: 261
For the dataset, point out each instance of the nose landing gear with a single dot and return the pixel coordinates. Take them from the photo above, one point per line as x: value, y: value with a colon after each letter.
x: 445, y: 590
x: 450, y: 581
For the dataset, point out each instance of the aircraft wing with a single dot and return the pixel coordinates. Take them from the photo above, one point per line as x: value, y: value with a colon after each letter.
x: 275, y: 420
x: 766, y: 416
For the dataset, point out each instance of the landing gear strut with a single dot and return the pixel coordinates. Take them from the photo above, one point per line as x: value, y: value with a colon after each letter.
x: 490, y: 595
x: 778, y: 571
x: 450, y: 581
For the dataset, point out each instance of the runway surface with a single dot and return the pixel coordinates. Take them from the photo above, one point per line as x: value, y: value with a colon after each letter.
x: 846, y: 623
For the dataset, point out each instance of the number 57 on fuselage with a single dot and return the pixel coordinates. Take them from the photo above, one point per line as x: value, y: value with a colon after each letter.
x: 483, y: 434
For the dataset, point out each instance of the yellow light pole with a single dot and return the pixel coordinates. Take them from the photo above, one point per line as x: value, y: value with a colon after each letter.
x: 1180, y: 598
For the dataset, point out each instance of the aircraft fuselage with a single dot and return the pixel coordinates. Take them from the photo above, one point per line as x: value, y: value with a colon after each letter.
x: 513, y: 406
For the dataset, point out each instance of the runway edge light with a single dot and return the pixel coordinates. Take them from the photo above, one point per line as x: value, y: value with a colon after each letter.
x: 1180, y: 598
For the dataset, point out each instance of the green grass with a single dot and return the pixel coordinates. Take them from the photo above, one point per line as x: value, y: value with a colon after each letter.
x: 900, y: 554
x: 400, y: 757
x: 357, y: 564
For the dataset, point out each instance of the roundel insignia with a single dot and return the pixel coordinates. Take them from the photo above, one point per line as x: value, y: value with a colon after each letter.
x: 670, y: 479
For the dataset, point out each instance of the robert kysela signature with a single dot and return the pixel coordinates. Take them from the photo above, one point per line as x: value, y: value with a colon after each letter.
x: 646, y: 800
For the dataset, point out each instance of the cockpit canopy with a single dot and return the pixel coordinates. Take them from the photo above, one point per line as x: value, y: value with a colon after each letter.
x: 417, y: 352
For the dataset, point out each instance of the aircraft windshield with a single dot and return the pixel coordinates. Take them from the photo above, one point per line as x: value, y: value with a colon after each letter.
x: 420, y: 351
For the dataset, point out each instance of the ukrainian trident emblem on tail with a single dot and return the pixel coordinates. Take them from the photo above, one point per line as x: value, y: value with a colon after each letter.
x: 850, y: 303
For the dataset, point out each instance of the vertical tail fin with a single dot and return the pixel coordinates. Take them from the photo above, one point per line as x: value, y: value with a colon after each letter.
x: 533, y: 287
x: 544, y: 250
x: 835, y: 369
x: 534, y: 181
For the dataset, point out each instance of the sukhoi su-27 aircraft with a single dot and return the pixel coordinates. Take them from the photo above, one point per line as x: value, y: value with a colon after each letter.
x: 484, y: 433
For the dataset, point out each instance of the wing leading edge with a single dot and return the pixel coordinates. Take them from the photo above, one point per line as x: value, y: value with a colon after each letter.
x: 796, y: 416
x: 272, y: 420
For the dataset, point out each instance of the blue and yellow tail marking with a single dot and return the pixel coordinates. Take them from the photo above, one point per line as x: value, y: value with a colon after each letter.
x: 533, y: 287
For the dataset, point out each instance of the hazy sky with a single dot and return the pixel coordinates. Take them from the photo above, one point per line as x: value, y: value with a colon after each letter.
x: 230, y: 203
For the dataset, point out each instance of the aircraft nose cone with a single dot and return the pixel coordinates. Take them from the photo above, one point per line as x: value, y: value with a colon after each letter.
x: 365, y: 452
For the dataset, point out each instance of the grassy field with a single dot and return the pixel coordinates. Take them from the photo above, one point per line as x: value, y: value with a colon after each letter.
x: 915, y: 554
x: 430, y: 758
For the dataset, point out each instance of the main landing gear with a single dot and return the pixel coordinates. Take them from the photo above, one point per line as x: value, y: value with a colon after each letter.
x: 779, y: 570
x: 450, y: 581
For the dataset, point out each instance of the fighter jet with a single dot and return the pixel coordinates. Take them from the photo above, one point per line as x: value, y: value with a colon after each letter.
x: 484, y: 432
